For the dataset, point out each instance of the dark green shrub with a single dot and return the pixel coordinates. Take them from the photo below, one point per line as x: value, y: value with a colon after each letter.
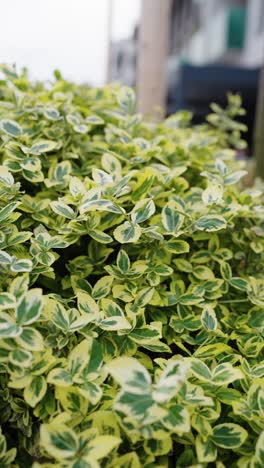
x: 132, y: 293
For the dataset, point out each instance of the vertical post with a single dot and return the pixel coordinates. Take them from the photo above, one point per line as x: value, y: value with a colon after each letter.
x: 153, y: 53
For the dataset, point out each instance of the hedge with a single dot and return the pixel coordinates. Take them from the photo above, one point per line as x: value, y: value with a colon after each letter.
x: 131, y: 284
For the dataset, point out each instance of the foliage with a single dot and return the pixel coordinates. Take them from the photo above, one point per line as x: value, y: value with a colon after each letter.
x: 132, y: 293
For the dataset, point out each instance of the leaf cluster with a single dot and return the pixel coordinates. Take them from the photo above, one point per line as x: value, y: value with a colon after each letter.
x: 131, y: 284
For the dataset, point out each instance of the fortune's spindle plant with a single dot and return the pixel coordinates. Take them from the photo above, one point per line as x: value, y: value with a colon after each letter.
x: 131, y: 284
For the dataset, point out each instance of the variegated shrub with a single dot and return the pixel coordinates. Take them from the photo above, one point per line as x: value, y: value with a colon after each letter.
x: 131, y: 284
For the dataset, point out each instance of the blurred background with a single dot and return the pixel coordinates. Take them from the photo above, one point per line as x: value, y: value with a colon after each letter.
x: 178, y: 54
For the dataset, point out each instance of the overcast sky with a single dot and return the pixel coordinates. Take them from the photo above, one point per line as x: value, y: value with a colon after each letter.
x: 70, y: 35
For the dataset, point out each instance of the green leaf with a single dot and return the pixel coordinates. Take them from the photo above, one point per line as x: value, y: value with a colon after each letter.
x: 143, y: 297
x: 213, y: 194
x: 115, y: 323
x: 228, y: 435
x: 226, y: 270
x: 178, y: 419
x: 76, y: 186
x: 59, y: 441
x: 91, y: 392
x: 212, y: 350
x: 177, y: 246
x: 133, y: 404
x: 255, y: 317
x: 101, y: 177
x: 7, y: 301
x: 183, y: 265
x: 202, y: 256
x: 62, y: 209
x: 101, y: 205
x: 7, y: 210
x: 43, y: 146
x: 189, y: 299
x: 31, y: 164
x: 100, y: 236
x: 143, y: 185
x: 62, y: 171
x: 126, y: 99
x: 94, y: 120
x: 60, y: 377
x: 72, y: 401
x: 111, y: 308
x: 234, y: 177
x: 163, y: 270
x: 144, y: 335
x: 129, y: 460
x: 239, y: 283
x: 110, y: 163
x: 11, y: 128
x: 206, y: 451
x: 211, y: 223
x: 201, y: 272
x: 95, y: 360
x: 201, y: 370
x: 81, y: 128
x: 79, y: 357
x: 87, y: 305
x: 260, y: 448
x: 31, y: 339
x: 73, y: 119
x: 5, y: 258
x: 33, y: 176
x: 142, y: 211
x: 29, y: 307
x: 8, y: 327
x: 221, y: 167
x: 35, y: 391
x: 225, y: 373
x: 100, y: 446
x: 171, y: 219
x: 20, y: 357
x: 6, y: 177
x: 23, y: 265
x: 130, y: 374
x: 127, y: 232
x: 51, y: 113
x: 171, y: 380
x: 102, y: 287
x: 8, y: 458
x: 156, y: 447
x: 123, y: 262
x: 208, y: 318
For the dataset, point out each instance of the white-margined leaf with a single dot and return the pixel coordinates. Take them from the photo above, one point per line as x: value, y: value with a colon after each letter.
x: 228, y: 435
x: 130, y: 374
x: 213, y: 194
x: 62, y: 209
x: 208, y: 318
x: 127, y: 233
x: 143, y: 210
x: 59, y: 441
x: 101, y: 205
x: 11, y: 128
x: 7, y: 210
x: 172, y: 220
x: 29, y: 307
x: 211, y: 223
x: 171, y: 380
